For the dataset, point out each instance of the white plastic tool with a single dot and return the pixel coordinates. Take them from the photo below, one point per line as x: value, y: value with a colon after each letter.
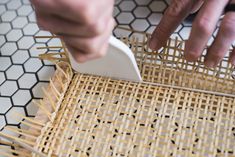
x: 118, y: 63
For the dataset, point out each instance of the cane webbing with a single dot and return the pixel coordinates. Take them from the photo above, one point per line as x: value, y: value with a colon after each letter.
x: 170, y: 67
x: 181, y: 109
x: 104, y: 117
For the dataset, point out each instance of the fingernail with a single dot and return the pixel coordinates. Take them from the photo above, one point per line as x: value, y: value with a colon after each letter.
x: 210, y: 64
x: 153, y: 43
x: 190, y: 56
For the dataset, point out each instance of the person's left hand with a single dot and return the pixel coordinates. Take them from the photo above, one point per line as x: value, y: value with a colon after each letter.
x: 203, y: 27
x: 85, y: 26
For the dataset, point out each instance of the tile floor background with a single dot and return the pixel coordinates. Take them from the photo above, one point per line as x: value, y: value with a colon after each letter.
x: 22, y: 74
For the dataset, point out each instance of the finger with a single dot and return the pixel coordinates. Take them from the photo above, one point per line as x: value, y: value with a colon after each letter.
x: 232, y: 57
x: 197, y: 6
x: 89, y: 45
x: 58, y: 25
x: 78, y: 11
x: 203, y: 27
x: 223, y: 41
x: 82, y: 57
x: 89, y: 10
x: 174, y: 15
x: 82, y: 54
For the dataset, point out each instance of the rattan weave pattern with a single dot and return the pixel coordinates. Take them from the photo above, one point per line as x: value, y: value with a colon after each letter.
x: 169, y: 67
x: 104, y: 117
x: 181, y: 109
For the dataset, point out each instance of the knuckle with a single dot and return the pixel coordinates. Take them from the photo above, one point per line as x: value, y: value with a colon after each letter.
x: 101, y: 54
x: 90, y: 47
x: 192, y: 56
x: 79, y: 57
x: 227, y: 27
x: 88, y: 14
x: 170, y: 12
x: 98, y: 28
x: 204, y: 26
x: 177, y: 8
x: 95, y: 29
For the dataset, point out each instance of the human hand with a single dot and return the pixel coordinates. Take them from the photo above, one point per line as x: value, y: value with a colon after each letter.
x: 203, y: 27
x: 84, y: 25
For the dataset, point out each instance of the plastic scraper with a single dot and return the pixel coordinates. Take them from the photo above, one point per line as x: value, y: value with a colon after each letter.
x: 118, y: 63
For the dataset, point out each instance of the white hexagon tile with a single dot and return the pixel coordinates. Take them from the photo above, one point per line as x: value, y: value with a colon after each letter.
x: 22, y: 74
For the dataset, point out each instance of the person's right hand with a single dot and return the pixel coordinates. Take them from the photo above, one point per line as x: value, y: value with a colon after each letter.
x: 84, y: 25
x: 203, y: 27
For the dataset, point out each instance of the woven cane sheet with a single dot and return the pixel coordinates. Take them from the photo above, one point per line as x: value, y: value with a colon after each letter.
x: 104, y: 117
x: 181, y: 109
x: 169, y: 67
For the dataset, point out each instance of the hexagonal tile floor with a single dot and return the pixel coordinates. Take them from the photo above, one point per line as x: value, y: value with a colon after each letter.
x: 22, y: 74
